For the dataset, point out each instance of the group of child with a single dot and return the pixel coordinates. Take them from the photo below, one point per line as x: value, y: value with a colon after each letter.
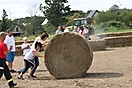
x: 30, y: 55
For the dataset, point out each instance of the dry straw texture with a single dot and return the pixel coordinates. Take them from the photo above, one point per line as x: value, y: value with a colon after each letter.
x: 68, y: 55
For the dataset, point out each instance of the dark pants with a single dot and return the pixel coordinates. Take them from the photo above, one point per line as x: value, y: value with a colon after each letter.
x: 5, y: 71
x: 28, y: 64
x: 36, y: 61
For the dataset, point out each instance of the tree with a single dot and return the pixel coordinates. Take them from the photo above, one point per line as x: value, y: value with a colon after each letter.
x: 4, y: 22
x: 35, y: 23
x: 122, y: 15
x: 114, y: 7
x: 71, y: 19
x: 55, y: 11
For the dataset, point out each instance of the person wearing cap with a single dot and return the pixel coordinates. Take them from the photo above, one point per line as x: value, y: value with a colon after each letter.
x: 3, y: 66
x: 10, y: 41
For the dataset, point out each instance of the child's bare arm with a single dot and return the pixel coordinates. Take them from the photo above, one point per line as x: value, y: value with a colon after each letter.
x: 36, y: 54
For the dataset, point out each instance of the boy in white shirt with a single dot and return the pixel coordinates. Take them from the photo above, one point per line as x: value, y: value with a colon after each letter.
x: 26, y: 48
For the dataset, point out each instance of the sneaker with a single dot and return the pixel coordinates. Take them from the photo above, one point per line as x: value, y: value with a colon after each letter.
x: 18, y: 72
x: 20, y: 78
x: 12, y: 85
x: 31, y: 76
x: 12, y: 71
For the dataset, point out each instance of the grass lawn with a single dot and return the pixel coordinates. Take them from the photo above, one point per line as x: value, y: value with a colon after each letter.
x: 30, y: 38
x: 112, y: 31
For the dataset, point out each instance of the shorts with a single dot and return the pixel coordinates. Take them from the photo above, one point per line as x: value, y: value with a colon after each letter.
x: 10, y: 57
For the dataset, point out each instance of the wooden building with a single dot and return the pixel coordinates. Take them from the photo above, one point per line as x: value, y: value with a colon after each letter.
x: 17, y: 31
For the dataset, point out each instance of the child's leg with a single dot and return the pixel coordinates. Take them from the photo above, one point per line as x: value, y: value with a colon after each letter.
x: 36, y: 61
x: 27, y: 66
x: 32, y: 68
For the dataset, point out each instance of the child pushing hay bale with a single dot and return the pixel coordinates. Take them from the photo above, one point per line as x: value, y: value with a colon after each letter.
x: 68, y: 55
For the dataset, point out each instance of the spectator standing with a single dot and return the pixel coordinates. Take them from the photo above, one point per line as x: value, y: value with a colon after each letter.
x: 3, y: 52
x: 58, y: 31
x: 65, y: 29
x: 79, y: 30
x: 10, y: 41
x: 85, y: 32
x: 75, y: 29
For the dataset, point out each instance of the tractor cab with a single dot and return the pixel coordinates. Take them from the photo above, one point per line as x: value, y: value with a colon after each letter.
x: 80, y: 21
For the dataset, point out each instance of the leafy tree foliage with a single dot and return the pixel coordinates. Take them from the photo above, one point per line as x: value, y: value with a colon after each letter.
x: 111, y: 26
x: 114, y: 7
x: 4, y: 21
x: 50, y: 28
x: 115, y: 14
x: 31, y: 25
x: 55, y: 11
x: 71, y: 19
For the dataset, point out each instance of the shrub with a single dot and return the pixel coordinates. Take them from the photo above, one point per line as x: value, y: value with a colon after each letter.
x: 111, y: 26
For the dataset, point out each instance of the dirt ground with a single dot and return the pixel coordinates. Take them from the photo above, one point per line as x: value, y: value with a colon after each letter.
x: 111, y: 68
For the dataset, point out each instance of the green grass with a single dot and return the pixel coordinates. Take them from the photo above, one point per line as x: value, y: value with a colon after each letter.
x: 123, y: 30
x: 30, y: 37
x: 112, y: 31
x: 21, y: 38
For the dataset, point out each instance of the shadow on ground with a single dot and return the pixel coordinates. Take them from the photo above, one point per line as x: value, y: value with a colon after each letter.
x: 44, y: 78
x: 88, y: 75
x: 103, y: 75
x: 41, y: 70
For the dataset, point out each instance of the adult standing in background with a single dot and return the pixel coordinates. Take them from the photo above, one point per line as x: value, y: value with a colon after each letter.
x: 79, y: 30
x: 58, y: 31
x: 10, y: 42
x: 75, y: 29
x: 85, y: 32
x: 65, y: 29
x: 3, y: 52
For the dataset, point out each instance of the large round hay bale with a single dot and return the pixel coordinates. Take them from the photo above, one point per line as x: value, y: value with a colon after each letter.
x: 68, y: 55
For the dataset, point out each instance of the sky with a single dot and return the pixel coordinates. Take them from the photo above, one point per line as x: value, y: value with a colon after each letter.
x: 22, y: 8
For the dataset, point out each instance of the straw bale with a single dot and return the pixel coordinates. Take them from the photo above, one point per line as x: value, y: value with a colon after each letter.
x: 68, y: 55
